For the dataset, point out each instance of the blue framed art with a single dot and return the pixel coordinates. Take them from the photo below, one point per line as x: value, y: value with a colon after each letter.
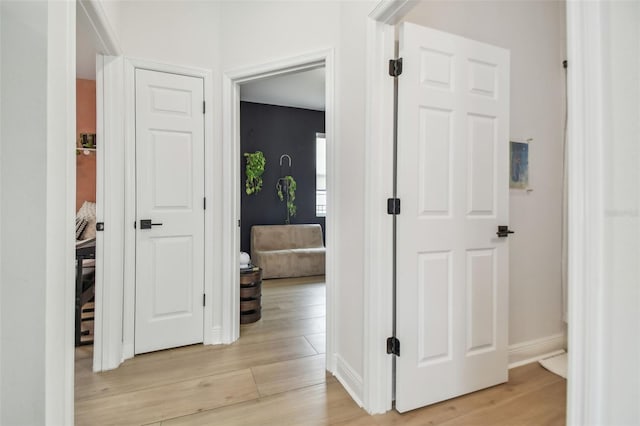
x: 519, y: 165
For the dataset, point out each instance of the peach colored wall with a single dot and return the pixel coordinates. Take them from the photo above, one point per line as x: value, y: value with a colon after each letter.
x: 85, y: 123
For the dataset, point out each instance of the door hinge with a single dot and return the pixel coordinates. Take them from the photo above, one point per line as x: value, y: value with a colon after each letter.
x: 395, y: 67
x: 204, y: 107
x: 99, y: 226
x: 204, y: 300
x: 238, y: 223
x: 134, y: 225
x: 393, y: 205
x: 393, y: 346
x: 204, y: 203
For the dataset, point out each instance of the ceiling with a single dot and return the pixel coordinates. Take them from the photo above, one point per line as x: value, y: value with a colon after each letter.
x: 304, y: 89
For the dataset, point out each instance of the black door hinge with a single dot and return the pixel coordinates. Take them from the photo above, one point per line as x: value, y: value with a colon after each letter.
x: 393, y: 346
x: 204, y: 203
x: 204, y: 107
x: 395, y: 67
x: 393, y: 205
x: 204, y: 300
x: 99, y: 226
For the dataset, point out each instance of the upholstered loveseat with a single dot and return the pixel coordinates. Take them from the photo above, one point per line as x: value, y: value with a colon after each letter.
x: 288, y: 250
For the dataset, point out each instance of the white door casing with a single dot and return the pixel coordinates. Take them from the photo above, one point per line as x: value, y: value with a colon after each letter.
x: 170, y: 192
x: 452, y: 279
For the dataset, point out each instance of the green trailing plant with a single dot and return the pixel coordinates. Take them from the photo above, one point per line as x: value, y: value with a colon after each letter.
x: 286, y: 187
x: 254, y: 171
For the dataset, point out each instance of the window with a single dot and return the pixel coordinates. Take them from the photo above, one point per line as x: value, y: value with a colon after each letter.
x: 321, y: 175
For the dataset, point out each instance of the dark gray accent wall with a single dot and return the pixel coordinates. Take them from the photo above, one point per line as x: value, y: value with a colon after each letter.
x: 275, y: 131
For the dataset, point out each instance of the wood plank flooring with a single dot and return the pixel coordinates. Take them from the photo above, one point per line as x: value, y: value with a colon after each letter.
x: 274, y: 375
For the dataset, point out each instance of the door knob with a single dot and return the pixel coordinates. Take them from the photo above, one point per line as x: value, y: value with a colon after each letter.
x: 146, y: 224
x: 503, y: 231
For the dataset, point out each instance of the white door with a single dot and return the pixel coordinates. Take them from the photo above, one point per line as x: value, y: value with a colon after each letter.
x: 169, y: 193
x: 452, y: 279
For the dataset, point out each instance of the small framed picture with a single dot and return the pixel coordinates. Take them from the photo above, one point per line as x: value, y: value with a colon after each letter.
x: 519, y: 164
x: 88, y: 140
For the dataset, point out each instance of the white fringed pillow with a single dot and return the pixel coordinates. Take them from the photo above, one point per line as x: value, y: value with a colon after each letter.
x: 88, y: 213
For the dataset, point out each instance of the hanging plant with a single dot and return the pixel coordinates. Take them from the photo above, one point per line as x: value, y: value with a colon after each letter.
x: 254, y: 171
x: 286, y: 187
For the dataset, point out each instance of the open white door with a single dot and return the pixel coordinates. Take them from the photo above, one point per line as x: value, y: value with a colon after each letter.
x: 169, y: 210
x: 452, y: 279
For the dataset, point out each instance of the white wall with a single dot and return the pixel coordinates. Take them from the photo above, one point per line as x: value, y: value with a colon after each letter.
x: 621, y: 227
x: 23, y: 263
x: 604, y: 227
x: 534, y: 32
x: 36, y: 266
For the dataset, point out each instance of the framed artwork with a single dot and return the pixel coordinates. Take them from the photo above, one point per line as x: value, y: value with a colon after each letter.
x: 88, y: 140
x: 519, y: 164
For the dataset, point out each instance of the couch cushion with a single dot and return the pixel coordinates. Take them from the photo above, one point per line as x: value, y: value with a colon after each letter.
x: 291, y: 263
x: 283, y: 237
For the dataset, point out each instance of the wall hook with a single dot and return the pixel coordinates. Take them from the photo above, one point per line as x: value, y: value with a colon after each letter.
x: 285, y: 156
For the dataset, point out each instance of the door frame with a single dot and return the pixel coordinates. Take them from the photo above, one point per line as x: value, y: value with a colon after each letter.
x: 105, y: 250
x: 378, y: 310
x: 128, y: 308
x: 588, y: 289
x: 584, y: 307
x: 115, y: 298
x: 232, y: 80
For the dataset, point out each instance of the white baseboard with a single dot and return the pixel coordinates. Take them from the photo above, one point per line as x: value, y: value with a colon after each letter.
x: 128, y: 351
x: 350, y: 380
x: 215, y: 336
x: 535, y: 350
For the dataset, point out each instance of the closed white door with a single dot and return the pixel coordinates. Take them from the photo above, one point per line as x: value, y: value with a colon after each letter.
x: 169, y: 210
x: 452, y: 279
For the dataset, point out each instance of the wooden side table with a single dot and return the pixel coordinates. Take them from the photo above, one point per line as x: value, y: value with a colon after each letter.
x: 250, y: 296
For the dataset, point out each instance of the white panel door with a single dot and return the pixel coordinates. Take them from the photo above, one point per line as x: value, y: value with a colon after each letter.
x: 169, y: 192
x: 452, y: 278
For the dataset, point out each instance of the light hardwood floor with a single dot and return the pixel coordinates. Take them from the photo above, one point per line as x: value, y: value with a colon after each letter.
x: 274, y: 375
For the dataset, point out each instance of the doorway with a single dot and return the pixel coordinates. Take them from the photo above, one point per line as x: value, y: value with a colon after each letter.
x: 547, y: 141
x: 234, y: 82
x: 283, y: 204
x: 170, y: 205
x: 86, y: 205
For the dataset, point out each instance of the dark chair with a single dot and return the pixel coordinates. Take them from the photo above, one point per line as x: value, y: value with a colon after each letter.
x: 85, y: 287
